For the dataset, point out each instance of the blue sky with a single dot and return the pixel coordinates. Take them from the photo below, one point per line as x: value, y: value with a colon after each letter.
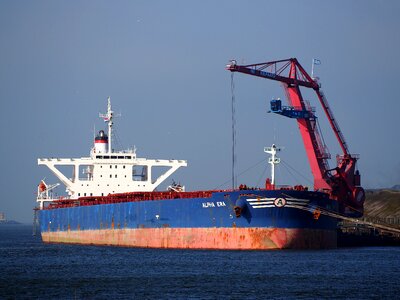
x: 162, y: 63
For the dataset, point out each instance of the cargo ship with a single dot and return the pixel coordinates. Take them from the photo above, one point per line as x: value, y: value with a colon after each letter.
x: 112, y: 197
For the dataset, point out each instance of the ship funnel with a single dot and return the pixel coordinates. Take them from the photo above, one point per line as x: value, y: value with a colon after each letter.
x: 101, y: 142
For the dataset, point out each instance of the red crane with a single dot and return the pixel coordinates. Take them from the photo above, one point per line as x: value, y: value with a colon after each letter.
x: 342, y: 182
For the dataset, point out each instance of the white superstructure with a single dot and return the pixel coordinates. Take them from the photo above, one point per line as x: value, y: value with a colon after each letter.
x: 107, y: 171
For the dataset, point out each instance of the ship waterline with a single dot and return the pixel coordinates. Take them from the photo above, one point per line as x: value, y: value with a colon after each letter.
x: 200, y: 238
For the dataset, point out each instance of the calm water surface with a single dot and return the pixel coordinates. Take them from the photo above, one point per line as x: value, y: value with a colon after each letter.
x: 30, y: 269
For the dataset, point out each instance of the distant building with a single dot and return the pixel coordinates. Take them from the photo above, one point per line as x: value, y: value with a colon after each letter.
x: 2, y: 216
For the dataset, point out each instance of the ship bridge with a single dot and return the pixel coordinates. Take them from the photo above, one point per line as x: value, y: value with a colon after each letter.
x: 107, y: 172
x: 101, y: 175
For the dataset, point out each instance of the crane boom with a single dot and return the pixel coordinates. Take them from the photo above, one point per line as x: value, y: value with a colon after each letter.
x: 332, y: 121
x: 342, y: 182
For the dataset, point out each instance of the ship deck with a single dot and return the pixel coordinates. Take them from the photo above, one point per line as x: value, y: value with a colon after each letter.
x: 150, y: 196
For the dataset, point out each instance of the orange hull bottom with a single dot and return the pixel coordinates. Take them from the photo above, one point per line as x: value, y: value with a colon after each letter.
x: 200, y: 238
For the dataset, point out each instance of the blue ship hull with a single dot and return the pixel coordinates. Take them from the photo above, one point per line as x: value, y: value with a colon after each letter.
x: 244, y: 219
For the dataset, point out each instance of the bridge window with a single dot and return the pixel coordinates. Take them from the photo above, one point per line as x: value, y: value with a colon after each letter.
x: 139, y: 173
x: 85, y: 172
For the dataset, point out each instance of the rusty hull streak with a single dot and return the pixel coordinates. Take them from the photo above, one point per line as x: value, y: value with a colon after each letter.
x: 199, y: 238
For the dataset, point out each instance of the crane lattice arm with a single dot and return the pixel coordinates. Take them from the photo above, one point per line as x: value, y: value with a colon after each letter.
x: 297, y: 76
x: 343, y: 181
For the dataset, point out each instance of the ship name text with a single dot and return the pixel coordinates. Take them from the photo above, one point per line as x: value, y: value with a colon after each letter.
x: 213, y: 204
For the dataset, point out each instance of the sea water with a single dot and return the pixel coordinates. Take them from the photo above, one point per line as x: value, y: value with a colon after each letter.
x: 30, y: 269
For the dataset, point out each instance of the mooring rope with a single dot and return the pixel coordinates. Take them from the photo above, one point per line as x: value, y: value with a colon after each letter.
x: 332, y: 214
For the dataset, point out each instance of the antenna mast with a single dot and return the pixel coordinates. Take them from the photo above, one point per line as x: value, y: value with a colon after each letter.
x: 108, y: 118
x: 273, y: 160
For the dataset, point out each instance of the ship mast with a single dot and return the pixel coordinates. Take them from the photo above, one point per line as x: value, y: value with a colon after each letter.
x: 273, y: 160
x: 108, y: 118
